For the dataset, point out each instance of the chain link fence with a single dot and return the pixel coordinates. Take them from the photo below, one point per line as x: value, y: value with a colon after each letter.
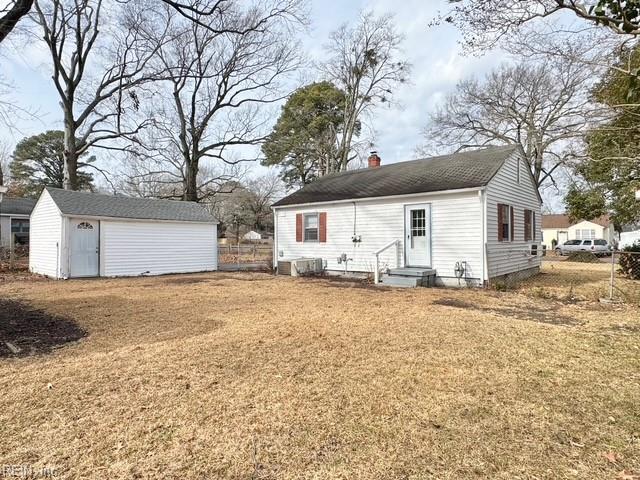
x: 16, y: 258
x: 581, y: 276
x: 246, y: 253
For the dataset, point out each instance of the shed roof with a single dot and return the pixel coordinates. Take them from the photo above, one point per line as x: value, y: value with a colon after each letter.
x: 555, y: 220
x: 98, y: 205
x: 16, y: 206
x: 448, y: 172
x: 564, y: 221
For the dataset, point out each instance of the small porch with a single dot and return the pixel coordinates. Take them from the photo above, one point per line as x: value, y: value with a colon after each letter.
x: 409, y: 277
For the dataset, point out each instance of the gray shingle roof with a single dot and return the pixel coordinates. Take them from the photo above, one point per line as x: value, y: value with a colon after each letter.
x: 97, y: 205
x: 448, y: 172
x: 16, y: 206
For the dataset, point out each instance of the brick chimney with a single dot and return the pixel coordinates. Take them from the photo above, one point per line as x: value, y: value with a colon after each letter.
x: 374, y: 160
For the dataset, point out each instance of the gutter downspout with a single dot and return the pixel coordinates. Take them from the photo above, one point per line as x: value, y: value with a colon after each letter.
x: 275, y: 238
x: 485, y: 260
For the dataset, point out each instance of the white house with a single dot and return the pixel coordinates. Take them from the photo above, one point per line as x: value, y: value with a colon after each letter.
x: 630, y: 234
x: 558, y: 228
x: 14, y: 220
x: 79, y: 234
x: 252, y: 235
x: 467, y: 218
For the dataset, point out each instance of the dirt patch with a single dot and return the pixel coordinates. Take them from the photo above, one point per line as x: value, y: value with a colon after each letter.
x: 454, y: 302
x: 185, y: 280
x: 531, y: 313
x: 623, y: 328
x: 26, y: 331
x: 346, y: 282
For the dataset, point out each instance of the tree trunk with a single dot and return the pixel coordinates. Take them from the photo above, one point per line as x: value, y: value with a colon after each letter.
x: 191, y: 182
x: 70, y: 156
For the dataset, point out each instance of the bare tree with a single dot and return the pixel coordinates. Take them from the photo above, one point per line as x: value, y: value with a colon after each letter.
x: 365, y: 63
x: 486, y: 22
x: 246, y: 205
x: 97, y: 62
x: 265, y: 190
x: 11, y: 13
x: 543, y: 107
x: 5, y: 160
x: 210, y: 109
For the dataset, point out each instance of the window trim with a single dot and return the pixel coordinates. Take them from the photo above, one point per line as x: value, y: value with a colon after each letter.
x: 304, y: 227
x: 509, y: 220
x: 530, y: 226
x: 580, y: 233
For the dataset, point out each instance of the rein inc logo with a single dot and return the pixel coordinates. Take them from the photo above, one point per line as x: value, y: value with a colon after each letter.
x: 27, y: 471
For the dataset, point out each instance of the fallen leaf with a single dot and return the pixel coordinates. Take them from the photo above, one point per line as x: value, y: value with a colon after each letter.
x: 628, y: 475
x: 611, y: 457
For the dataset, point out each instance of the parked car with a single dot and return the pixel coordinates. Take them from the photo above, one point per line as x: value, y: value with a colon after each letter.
x: 598, y: 247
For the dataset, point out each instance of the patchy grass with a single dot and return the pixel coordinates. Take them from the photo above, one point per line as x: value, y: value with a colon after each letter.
x: 244, y: 376
x: 570, y: 282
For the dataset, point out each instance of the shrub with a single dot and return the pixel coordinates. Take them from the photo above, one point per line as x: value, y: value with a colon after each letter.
x: 630, y: 261
x: 583, y: 257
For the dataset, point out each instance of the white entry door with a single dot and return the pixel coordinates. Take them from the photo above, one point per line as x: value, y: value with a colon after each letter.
x: 85, y: 248
x: 417, y: 230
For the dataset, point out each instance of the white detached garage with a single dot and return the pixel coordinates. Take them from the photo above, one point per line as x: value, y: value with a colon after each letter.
x: 80, y: 234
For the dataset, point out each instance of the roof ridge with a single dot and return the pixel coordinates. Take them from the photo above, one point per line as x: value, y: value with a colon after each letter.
x: 423, y: 159
x: 128, y: 197
x: 454, y: 171
x: 79, y: 203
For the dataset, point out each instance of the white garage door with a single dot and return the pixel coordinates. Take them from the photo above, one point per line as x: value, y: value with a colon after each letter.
x: 156, y: 248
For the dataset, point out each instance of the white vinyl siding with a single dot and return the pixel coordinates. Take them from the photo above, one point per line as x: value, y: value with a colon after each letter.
x: 586, y: 230
x: 45, y: 238
x: 129, y: 248
x: 456, y: 222
x: 514, y: 255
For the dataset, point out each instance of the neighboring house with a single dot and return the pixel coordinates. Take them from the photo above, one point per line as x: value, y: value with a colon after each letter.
x: 559, y: 227
x: 78, y: 234
x: 469, y: 218
x: 630, y: 234
x: 252, y: 235
x: 14, y: 220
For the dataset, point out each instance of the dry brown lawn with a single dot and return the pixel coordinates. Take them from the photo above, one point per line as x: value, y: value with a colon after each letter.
x: 249, y: 376
x: 566, y: 280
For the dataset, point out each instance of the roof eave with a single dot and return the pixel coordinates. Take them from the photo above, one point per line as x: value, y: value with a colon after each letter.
x: 136, y: 219
x: 275, y: 206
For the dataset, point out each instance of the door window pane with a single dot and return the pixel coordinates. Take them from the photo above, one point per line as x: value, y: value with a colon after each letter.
x: 418, y: 223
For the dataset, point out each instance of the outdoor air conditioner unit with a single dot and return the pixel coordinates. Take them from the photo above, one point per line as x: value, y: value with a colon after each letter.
x: 300, y: 266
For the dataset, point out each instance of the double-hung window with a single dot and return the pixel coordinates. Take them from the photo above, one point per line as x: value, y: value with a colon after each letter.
x: 310, y: 227
x: 585, y: 234
x: 529, y: 225
x: 505, y: 223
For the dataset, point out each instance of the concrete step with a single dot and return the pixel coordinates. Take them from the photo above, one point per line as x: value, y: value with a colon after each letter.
x: 397, y: 281
x: 412, y: 272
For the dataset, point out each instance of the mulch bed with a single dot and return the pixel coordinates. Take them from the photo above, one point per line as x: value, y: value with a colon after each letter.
x: 29, y: 331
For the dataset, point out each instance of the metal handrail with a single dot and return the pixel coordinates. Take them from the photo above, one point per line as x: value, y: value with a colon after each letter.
x: 376, y: 273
